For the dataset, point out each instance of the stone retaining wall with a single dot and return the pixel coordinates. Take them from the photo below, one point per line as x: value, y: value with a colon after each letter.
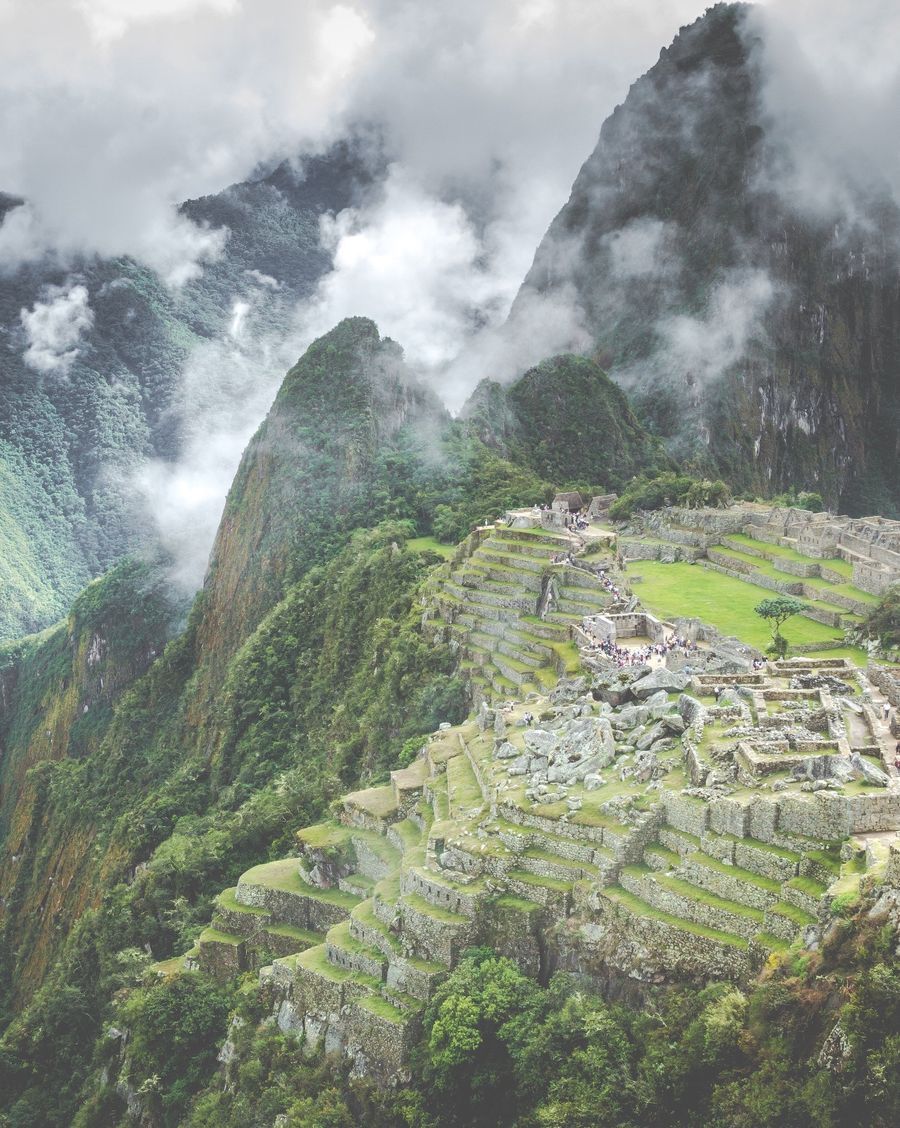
x: 886, y: 681
x: 292, y: 908
x: 577, y: 831
x: 687, y: 813
x: 763, y: 861
x: 728, y: 816
x: 727, y: 885
x: 443, y: 896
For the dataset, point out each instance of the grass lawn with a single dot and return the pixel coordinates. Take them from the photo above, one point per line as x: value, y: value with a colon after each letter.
x: 672, y: 590
x: 429, y: 544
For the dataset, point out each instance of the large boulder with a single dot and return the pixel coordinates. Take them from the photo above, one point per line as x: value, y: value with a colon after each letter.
x: 568, y: 690
x: 586, y: 738
x: 650, y: 737
x: 519, y: 766
x: 868, y: 771
x: 670, y: 681
x: 540, y: 741
x: 584, y: 746
x: 630, y: 716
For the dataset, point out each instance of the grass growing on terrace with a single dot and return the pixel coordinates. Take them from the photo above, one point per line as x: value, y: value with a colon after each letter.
x: 671, y: 590
x: 429, y: 544
x: 835, y: 564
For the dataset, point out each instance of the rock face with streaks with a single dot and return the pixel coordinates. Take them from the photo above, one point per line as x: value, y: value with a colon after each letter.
x: 757, y: 336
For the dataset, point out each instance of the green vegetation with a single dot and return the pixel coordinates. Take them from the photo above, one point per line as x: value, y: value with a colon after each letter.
x: 302, y: 671
x: 498, y: 1051
x: 431, y: 544
x: 810, y: 500
x: 777, y: 612
x: 331, y: 685
x: 668, y: 489
x: 883, y: 621
x: 572, y: 426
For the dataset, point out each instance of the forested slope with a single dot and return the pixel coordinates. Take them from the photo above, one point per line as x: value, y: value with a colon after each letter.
x: 73, y: 428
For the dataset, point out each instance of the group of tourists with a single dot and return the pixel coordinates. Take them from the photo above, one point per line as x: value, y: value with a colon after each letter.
x: 608, y: 584
x: 624, y: 656
x: 576, y: 522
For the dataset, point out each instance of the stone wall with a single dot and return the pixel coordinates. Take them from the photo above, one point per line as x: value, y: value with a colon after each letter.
x: 685, y: 812
x: 648, y: 950
x: 611, y: 628
x: 887, y: 682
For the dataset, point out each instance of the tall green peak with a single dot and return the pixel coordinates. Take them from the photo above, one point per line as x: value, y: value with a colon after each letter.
x: 310, y: 474
x: 566, y: 420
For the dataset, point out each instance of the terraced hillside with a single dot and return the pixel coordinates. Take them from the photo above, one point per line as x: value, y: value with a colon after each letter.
x: 825, y: 585
x: 832, y: 570
x: 600, y: 840
x: 509, y: 607
x: 681, y: 823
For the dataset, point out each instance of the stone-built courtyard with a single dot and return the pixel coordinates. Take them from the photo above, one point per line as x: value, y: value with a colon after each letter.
x: 680, y: 819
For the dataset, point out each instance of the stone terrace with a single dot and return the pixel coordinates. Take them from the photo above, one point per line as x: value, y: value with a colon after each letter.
x: 564, y: 843
x: 837, y: 565
x: 642, y: 826
x: 511, y: 609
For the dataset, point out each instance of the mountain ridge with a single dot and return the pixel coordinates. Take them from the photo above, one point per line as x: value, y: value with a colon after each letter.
x: 748, y: 335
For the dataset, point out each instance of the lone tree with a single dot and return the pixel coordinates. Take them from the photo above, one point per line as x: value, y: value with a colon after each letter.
x: 777, y: 612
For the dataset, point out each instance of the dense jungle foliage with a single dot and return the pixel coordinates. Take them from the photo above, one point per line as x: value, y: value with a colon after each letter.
x: 72, y: 436
x: 814, y: 1044
x: 568, y: 422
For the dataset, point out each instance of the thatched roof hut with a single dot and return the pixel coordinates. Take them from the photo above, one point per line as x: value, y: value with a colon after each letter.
x: 571, y: 501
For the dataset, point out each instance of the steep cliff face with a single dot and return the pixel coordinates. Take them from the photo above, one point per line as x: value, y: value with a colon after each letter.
x: 754, y: 338
x: 57, y: 694
x: 567, y: 421
x: 314, y: 470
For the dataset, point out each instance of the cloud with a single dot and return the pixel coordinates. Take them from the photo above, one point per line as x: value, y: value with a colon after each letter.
x: 701, y: 349
x: 113, y: 114
x: 227, y: 387
x: 414, y: 264
x: 53, y: 328
x: 637, y: 249
x: 831, y: 100
x: 484, y: 111
x: 110, y: 19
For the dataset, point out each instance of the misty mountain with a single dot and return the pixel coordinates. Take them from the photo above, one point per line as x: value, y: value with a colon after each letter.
x: 567, y: 421
x: 760, y: 339
x: 92, y: 359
